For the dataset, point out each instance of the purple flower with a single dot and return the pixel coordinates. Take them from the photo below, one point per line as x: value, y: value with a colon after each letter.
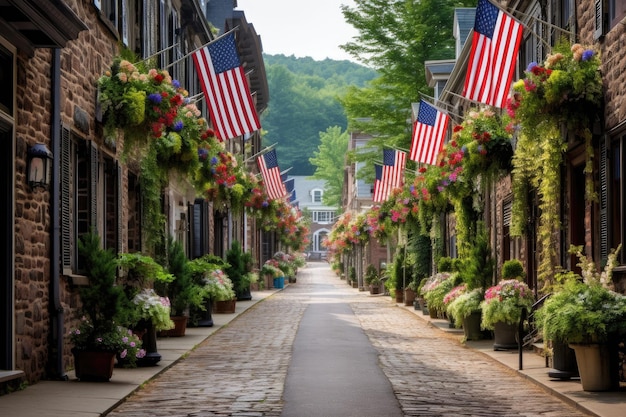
x: 214, y: 160
x: 178, y: 126
x: 203, y: 154
x: 265, y: 204
x: 123, y: 354
x: 155, y: 98
x: 176, y: 83
x: 531, y: 66
x: 412, y: 188
x: 587, y: 55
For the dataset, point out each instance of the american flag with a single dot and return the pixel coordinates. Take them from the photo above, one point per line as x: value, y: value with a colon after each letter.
x: 394, y: 162
x: 378, y: 196
x: 429, y: 132
x: 495, y: 45
x: 226, y: 88
x: 268, y: 165
x: 290, y: 187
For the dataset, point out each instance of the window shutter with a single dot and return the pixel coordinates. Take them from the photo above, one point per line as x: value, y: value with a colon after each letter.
x: 598, y: 31
x: 66, y: 181
x: 507, y: 213
x: 197, y: 222
x: 93, y: 192
x: 119, y: 207
x: 604, y: 201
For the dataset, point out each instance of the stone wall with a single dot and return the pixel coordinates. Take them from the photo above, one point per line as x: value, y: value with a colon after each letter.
x: 82, y: 62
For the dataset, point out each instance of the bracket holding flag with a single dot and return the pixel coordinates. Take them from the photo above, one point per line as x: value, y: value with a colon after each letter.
x: 225, y: 87
x: 495, y: 45
x: 429, y: 132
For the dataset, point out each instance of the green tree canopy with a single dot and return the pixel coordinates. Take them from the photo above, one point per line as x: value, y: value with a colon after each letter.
x: 329, y: 161
x: 396, y: 38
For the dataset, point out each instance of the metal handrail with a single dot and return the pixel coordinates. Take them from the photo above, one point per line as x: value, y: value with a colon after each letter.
x: 524, y: 340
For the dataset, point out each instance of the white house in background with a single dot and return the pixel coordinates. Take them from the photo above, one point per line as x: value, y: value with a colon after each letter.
x: 308, y: 196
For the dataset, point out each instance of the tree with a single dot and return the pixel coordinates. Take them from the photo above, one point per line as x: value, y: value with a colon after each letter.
x: 396, y: 38
x: 329, y: 161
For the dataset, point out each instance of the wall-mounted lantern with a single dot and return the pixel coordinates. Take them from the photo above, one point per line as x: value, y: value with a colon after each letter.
x: 39, y: 163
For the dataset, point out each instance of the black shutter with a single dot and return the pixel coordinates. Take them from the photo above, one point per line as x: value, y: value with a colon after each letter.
x: 93, y: 192
x: 604, y: 201
x: 66, y: 213
x: 598, y: 27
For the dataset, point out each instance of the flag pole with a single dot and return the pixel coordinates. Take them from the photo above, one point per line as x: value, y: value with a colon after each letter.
x: 261, y: 152
x: 188, y: 54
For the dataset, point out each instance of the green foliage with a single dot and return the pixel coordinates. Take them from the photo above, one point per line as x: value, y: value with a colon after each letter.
x: 440, y: 285
x: 513, y: 268
x: 420, y: 246
x: 239, y: 264
x: 584, y: 308
x: 388, y: 41
x: 352, y: 274
x: 304, y: 103
x: 504, y: 303
x: 102, y: 300
x: 477, y: 266
x: 371, y: 275
x: 445, y: 264
x: 464, y: 305
x: 182, y: 291
x: 329, y: 162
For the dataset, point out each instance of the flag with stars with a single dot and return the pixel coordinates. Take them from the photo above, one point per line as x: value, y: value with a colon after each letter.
x: 225, y: 88
x: 429, y: 132
x: 268, y: 165
x: 378, y: 196
x: 394, y: 162
x: 495, y: 46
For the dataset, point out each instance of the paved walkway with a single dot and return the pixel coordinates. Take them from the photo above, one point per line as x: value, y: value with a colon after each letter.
x: 250, y: 366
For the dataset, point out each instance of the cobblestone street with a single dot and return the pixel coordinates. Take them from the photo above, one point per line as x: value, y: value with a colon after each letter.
x: 241, y: 369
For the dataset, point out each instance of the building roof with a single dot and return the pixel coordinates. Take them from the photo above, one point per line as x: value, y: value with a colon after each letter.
x: 303, y: 185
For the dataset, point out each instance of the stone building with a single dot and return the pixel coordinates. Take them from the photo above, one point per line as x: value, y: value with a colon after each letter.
x: 51, y: 56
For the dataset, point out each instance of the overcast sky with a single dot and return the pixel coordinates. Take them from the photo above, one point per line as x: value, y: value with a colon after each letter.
x: 302, y: 28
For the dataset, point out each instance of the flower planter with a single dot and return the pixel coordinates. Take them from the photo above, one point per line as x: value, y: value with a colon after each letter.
x: 355, y: 284
x: 433, y: 313
x: 399, y: 296
x: 471, y: 326
x: 180, y: 325
x: 504, y: 336
x: 409, y: 297
x: 224, y: 307
x: 279, y: 282
x: 374, y: 289
x: 93, y: 366
x: 594, y: 366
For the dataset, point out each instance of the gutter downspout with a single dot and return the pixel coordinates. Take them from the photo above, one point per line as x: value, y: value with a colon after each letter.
x: 57, y: 370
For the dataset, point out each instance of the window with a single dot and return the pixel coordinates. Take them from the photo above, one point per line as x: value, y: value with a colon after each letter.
x: 90, y: 198
x: 316, y: 195
x: 532, y: 47
x: 6, y: 80
x: 323, y: 216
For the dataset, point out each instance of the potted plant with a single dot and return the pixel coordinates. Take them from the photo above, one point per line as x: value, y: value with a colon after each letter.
x: 372, y: 279
x: 149, y: 312
x: 466, y: 312
x: 502, y: 311
x: 410, y: 293
x: 182, y: 292
x: 99, y: 337
x: 436, y: 288
x: 589, y: 316
x: 221, y: 290
x: 201, y: 268
x: 270, y: 271
x: 239, y: 265
x: 352, y: 277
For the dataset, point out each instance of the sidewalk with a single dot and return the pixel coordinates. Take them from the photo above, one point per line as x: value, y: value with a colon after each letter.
x: 83, y: 399
x: 600, y: 404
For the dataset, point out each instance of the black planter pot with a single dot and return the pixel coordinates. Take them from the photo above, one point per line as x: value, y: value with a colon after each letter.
x: 563, y: 361
x: 148, y: 343
x: 204, y: 317
x: 244, y: 295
